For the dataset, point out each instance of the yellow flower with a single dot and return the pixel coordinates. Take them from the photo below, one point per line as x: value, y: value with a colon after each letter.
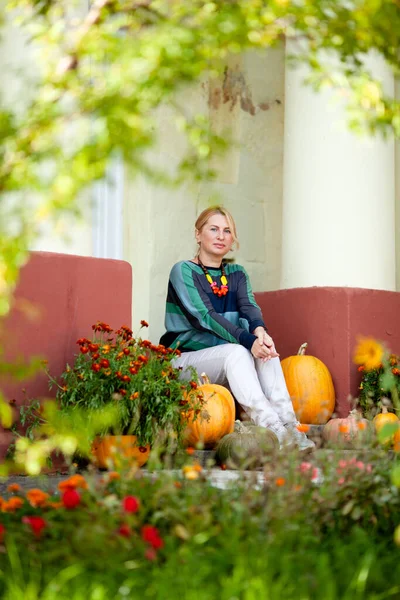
x: 192, y: 471
x: 369, y: 353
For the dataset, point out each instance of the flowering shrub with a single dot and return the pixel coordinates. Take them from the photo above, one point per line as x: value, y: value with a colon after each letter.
x: 380, y: 377
x: 136, y: 376
x: 149, y: 529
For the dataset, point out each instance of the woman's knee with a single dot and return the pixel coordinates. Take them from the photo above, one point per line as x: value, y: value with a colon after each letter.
x: 236, y: 352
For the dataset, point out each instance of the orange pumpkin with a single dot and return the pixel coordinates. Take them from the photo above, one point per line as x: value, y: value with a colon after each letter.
x: 310, y: 387
x: 108, y: 449
x: 217, y: 417
x: 384, y: 417
x: 347, y: 431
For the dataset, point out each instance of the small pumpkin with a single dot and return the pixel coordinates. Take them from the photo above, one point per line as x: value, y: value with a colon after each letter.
x: 310, y: 387
x: 382, y: 419
x: 216, y: 419
x: 349, y: 431
x: 246, y: 446
x: 110, y: 449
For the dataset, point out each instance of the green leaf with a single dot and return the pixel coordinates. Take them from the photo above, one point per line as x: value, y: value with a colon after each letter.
x: 395, y: 476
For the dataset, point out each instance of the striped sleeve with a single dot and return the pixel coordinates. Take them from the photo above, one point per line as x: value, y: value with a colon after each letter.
x: 197, y: 304
x: 247, y: 305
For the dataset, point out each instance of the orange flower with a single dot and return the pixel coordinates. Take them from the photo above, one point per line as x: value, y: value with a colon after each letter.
x: 361, y: 368
x: 302, y: 428
x: 361, y: 425
x: 177, y: 484
x: 134, y: 396
x: 105, y: 349
x: 396, y: 371
x: 113, y: 476
x: 13, y: 488
x: 280, y: 481
x: 344, y: 428
x: 144, y: 323
x: 190, y: 450
x: 37, y: 498
x: 75, y: 481
x: 55, y: 504
x: 12, y: 504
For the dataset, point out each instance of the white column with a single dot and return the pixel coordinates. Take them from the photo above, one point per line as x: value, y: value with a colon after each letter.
x: 339, y: 194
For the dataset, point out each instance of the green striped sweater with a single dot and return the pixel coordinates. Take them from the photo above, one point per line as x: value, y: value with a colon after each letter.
x: 196, y: 318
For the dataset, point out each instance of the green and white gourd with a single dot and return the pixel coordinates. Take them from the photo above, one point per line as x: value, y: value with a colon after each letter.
x: 248, y: 447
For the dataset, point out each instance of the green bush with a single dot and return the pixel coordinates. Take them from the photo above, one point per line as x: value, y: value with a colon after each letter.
x: 322, y: 529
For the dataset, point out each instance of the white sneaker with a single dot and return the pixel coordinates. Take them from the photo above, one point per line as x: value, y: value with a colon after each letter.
x: 285, y: 440
x: 299, y: 438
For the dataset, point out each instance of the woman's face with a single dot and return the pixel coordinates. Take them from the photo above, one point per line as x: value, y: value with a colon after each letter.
x: 215, y: 236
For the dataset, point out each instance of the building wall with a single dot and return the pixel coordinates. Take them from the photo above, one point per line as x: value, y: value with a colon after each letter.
x: 159, y: 222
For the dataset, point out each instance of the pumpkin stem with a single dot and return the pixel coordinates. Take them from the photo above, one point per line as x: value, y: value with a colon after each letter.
x: 384, y: 410
x: 240, y: 427
x: 302, y: 349
x: 205, y: 378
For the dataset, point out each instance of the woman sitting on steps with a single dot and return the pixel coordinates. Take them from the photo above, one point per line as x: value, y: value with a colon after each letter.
x: 214, y: 320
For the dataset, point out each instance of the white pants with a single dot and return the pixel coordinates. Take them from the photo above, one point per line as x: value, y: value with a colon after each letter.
x: 258, y: 386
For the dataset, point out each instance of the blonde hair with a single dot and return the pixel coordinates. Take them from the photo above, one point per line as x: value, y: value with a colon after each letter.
x: 217, y: 210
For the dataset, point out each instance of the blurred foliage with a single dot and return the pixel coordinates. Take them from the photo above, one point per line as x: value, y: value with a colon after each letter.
x: 380, y: 386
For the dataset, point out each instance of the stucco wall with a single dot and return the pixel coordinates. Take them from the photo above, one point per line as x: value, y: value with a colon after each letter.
x: 159, y: 222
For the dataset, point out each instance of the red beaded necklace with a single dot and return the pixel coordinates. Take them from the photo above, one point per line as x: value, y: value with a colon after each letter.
x: 218, y: 290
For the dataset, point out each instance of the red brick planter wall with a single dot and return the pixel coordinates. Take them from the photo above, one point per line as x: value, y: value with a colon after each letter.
x: 330, y: 319
x: 68, y: 293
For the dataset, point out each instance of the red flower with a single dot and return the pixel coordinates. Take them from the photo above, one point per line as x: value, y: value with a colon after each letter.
x: 131, y: 504
x: 132, y: 370
x: 105, y: 363
x: 126, y: 351
x: 37, y: 524
x: 100, y: 326
x: 84, y: 349
x: 142, y: 358
x: 151, y: 536
x: 126, y: 378
x: 83, y: 341
x: 150, y: 553
x: 93, y: 347
x: 124, y: 530
x: 96, y: 367
x: 122, y: 392
x: 71, y: 498
x: 95, y: 356
x: 2, y: 532
x: 193, y: 385
x: 144, y: 323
